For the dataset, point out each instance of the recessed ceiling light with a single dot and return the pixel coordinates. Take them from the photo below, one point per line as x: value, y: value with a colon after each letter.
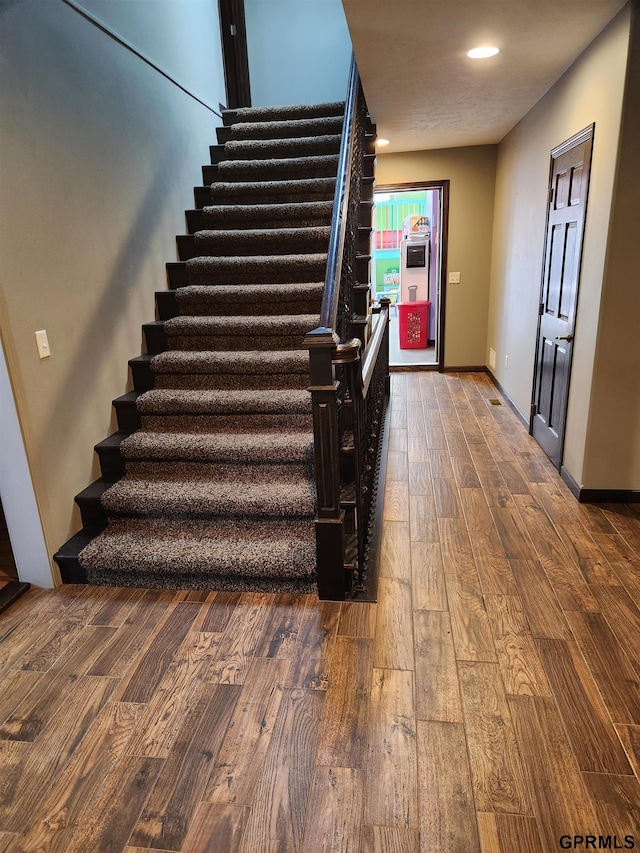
x: 483, y: 52
x: 380, y: 142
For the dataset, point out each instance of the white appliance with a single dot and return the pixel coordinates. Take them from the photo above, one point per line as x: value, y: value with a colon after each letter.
x: 415, y: 259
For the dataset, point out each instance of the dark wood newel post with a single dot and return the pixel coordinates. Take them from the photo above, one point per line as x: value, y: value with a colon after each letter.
x: 322, y: 343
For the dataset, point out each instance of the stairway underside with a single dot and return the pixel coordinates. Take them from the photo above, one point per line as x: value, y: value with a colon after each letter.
x: 209, y: 484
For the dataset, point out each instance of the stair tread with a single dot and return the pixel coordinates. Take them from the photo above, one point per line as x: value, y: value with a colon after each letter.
x: 252, y: 325
x: 256, y: 269
x: 280, y: 547
x: 318, y: 166
x: 204, y: 496
x: 257, y: 447
x: 275, y: 149
x: 112, y: 441
x: 281, y: 129
x: 299, y: 185
x: 284, y: 112
x: 264, y: 292
x: 129, y: 397
x: 255, y: 242
x: 276, y: 210
x: 236, y: 362
x: 94, y: 490
x: 222, y: 234
x: 241, y: 401
x: 243, y: 260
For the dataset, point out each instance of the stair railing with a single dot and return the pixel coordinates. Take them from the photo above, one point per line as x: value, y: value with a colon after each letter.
x: 349, y: 373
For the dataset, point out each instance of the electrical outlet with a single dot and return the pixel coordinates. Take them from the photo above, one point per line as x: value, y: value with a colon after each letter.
x: 43, y: 344
x: 506, y: 362
x: 454, y: 278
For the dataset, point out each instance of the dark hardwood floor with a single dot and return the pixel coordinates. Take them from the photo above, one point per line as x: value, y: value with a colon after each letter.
x: 490, y: 700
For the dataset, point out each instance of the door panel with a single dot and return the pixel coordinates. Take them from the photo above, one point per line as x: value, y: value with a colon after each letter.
x: 568, y: 185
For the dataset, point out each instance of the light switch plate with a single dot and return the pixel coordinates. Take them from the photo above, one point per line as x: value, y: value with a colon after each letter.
x: 454, y: 278
x: 43, y: 344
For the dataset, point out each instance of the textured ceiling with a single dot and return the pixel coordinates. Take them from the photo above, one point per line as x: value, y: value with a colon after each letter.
x: 424, y: 92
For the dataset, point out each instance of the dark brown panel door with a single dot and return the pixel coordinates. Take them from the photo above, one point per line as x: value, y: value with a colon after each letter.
x: 568, y: 187
x: 234, y: 53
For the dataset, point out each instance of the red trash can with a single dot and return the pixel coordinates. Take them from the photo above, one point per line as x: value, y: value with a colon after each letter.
x: 414, y: 324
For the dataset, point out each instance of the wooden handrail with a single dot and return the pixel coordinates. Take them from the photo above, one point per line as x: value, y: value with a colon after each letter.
x: 329, y: 309
x: 370, y: 355
x: 348, y: 388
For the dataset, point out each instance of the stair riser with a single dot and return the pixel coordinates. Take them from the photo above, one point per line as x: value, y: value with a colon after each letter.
x: 361, y: 297
x: 230, y: 117
x: 258, y: 309
x: 127, y: 415
x: 197, y: 220
x: 362, y: 268
x: 92, y: 513
x: 177, y: 274
x: 212, y: 457
x: 231, y: 382
x: 276, y: 149
x: 225, y: 423
x: 212, y: 271
x: 366, y: 190
x: 239, y: 473
x: 192, y: 247
x: 366, y: 214
x: 111, y: 462
x: 364, y: 241
x: 187, y: 512
x: 155, y: 338
x: 223, y: 134
x: 360, y: 329
x: 370, y: 143
x: 216, y: 154
x: 70, y: 569
x: 167, y: 304
x: 314, y: 127
x: 67, y: 556
x: 237, y: 194
x: 368, y: 166
x: 233, y: 170
x: 141, y: 375
x: 205, y: 580
x: 239, y: 343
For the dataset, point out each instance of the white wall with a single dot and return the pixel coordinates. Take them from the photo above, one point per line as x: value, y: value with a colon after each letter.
x: 100, y: 154
x: 299, y: 51
x: 182, y: 37
x: 590, y: 91
x: 612, y: 454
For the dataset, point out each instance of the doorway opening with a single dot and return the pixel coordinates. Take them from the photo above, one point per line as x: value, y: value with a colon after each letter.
x: 408, y: 252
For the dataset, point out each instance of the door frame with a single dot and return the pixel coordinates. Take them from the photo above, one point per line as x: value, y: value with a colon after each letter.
x: 443, y: 186
x: 235, y: 56
x: 585, y: 135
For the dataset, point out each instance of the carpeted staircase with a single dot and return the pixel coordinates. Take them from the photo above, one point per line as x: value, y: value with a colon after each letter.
x: 218, y: 489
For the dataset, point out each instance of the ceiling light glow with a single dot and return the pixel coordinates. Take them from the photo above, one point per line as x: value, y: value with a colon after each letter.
x: 380, y: 142
x: 483, y: 52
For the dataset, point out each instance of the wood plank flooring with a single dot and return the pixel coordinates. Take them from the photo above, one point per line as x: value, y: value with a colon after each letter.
x: 488, y: 703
